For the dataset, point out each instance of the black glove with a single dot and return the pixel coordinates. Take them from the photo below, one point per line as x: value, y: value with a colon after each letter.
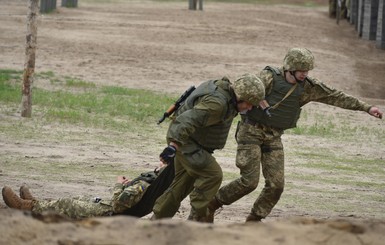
x: 168, y: 154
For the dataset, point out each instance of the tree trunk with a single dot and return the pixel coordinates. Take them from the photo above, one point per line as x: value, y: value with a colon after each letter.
x: 29, y: 66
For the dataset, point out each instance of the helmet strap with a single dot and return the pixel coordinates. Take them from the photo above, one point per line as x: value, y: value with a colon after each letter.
x: 293, y: 74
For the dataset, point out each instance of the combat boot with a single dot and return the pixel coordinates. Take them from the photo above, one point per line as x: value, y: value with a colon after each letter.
x: 212, y: 207
x: 253, y: 218
x: 13, y: 201
x: 200, y: 219
x: 25, y: 193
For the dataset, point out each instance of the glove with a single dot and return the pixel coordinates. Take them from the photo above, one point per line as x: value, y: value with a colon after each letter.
x: 168, y: 154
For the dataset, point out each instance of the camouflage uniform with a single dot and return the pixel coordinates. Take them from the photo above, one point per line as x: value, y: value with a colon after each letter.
x: 123, y: 197
x: 199, y: 127
x: 260, y: 145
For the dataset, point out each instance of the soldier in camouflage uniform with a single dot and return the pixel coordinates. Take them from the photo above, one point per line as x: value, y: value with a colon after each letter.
x: 288, y: 88
x: 200, y: 126
x: 126, y: 193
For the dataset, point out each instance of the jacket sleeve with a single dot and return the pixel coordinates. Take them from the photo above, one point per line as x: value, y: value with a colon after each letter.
x: 208, y: 111
x: 320, y: 92
x: 267, y: 78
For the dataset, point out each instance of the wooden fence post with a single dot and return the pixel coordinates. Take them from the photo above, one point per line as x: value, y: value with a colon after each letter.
x: 192, y: 4
x: 29, y: 65
x: 47, y: 6
x: 380, y: 39
x: 69, y: 3
x: 369, y: 25
x: 360, y: 17
x: 353, y: 11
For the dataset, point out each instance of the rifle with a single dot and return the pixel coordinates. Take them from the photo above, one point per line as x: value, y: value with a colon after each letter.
x: 177, y: 104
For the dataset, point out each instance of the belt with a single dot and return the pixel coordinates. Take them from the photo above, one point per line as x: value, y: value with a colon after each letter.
x: 251, y: 122
x: 261, y: 126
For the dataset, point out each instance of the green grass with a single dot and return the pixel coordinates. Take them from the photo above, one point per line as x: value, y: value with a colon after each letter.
x: 80, y: 102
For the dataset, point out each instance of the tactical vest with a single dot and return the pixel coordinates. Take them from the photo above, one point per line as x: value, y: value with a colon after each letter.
x: 288, y: 111
x: 148, y: 177
x: 215, y: 136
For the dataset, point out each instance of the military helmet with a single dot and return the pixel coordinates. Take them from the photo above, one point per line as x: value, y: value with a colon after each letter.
x: 249, y: 88
x: 298, y: 59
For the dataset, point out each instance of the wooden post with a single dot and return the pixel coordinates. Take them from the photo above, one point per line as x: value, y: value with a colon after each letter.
x: 332, y: 8
x: 353, y: 11
x: 47, y: 6
x: 192, y: 4
x: 380, y: 39
x: 29, y: 65
x: 369, y: 27
x: 69, y: 3
x: 360, y: 18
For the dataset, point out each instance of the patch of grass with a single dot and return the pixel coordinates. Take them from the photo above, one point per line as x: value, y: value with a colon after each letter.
x: 71, y: 82
x: 318, y: 124
x: 104, y: 107
x: 10, y: 86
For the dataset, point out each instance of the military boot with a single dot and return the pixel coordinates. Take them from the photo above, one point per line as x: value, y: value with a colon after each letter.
x: 13, y: 201
x: 212, y: 207
x: 200, y: 219
x: 253, y: 218
x: 25, y: 193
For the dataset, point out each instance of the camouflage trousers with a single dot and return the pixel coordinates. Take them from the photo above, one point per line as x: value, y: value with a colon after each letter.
x: 200, y: 182
x: 74, y: 208
x: 258, y: 147
x: 123, y: 198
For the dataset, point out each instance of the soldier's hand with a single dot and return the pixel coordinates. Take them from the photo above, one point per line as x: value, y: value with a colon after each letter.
x: 122, y: 180
x: 374, y: 111
x: 168, y: 154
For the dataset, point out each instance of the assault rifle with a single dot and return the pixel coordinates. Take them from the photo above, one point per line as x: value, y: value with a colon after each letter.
x: 177, y: 104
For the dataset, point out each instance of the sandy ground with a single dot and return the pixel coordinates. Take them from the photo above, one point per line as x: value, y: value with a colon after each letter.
x: 165, y: 47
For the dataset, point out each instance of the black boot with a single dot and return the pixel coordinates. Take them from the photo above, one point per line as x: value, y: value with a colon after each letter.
x: 212, y: 207
x: 253, y: 218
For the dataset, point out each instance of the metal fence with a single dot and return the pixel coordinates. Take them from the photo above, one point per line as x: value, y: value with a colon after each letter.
x: 367, y: 16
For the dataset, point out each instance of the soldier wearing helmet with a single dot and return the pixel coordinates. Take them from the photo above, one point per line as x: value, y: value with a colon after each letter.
x: 198, y: 128
x: 288, y: 88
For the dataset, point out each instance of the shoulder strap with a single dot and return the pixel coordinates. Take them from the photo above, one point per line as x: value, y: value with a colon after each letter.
x: 273, y: 69
x: 287, y: 95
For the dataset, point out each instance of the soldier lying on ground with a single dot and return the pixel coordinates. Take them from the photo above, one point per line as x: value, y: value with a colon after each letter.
x: 127, y: 197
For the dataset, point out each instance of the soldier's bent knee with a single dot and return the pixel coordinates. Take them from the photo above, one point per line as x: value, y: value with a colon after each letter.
x: 250, y: 183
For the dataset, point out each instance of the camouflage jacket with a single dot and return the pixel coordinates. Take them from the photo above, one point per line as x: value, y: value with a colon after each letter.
x: 315, y: 90
x: 127, y: 196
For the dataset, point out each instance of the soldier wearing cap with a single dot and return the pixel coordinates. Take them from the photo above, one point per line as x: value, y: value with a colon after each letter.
x: 200, y: 126
x: 288, y: 88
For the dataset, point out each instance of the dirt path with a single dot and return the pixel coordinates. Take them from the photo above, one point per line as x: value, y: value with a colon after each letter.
x: 165, y: 46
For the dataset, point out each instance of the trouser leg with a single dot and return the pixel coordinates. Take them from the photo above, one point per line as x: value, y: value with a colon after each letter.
x: 206, y: 185
x: 169, y: 202
x: 73, y: 208
x: 248, y: 160
x: 273, y: 172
